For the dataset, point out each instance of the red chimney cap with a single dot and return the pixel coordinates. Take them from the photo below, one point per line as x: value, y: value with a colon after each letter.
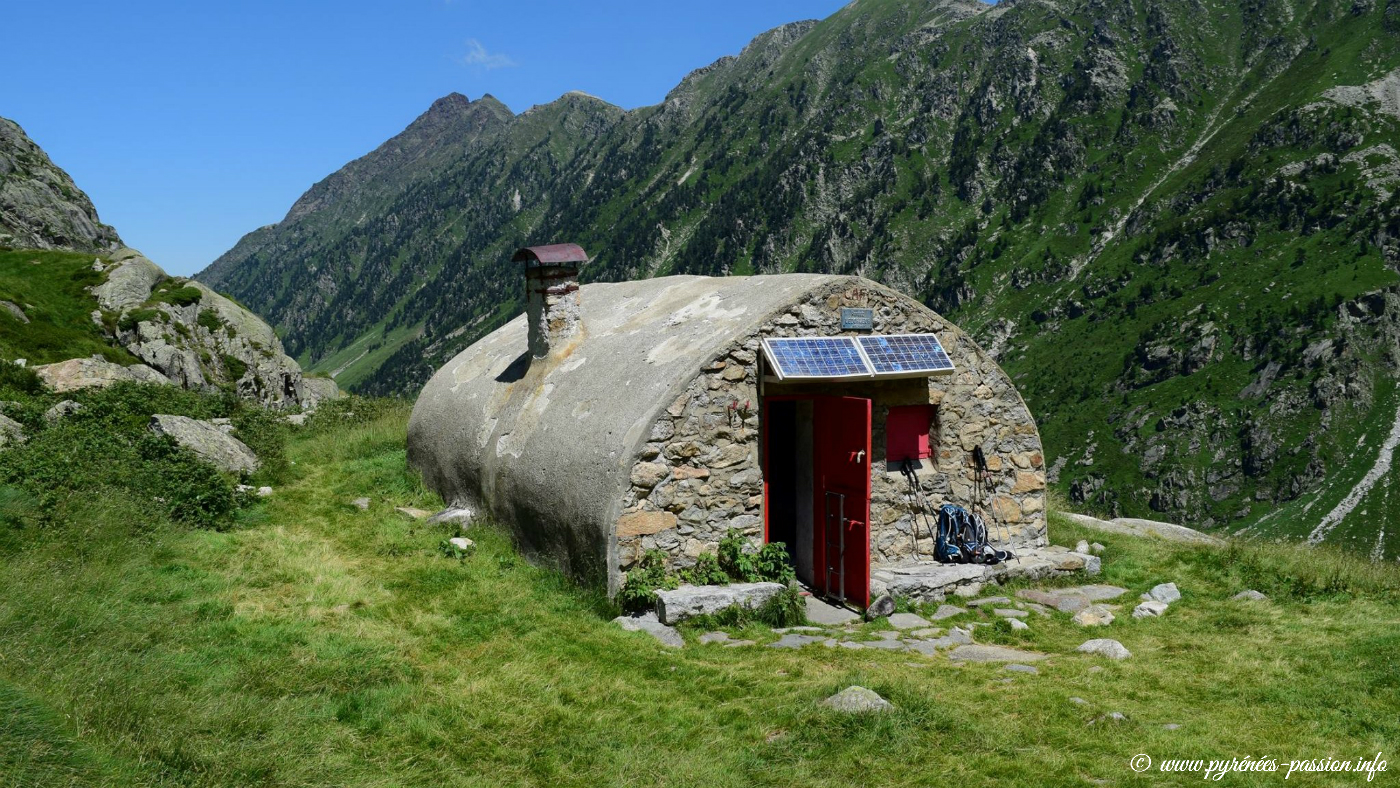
x: 551, y: 255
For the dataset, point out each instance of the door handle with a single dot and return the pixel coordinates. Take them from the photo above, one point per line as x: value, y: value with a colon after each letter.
x: 858, y: 456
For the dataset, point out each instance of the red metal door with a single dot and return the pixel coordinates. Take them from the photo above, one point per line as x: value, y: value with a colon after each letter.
x: 842, y: 506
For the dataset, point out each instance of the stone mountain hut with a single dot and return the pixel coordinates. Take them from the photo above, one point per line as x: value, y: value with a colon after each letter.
x: 614, y: 419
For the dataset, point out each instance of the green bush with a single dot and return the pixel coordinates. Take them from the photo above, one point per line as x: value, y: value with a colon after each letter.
x: 211, y: 320
x: 774, y: 565
x: 639, y: 592
x: 771, y: 563
x: 786, y: 609
x: 705, y: 572
x: 181, y: 296
x: 17, y: 381
x: 235, y: 367
x: 130, y: 320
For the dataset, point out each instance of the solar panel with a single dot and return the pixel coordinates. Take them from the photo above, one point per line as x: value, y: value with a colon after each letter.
x: 901, y: 355
x: 816, y: 357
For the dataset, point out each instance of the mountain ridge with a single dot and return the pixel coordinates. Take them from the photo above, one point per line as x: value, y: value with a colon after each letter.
x: 1142, y: 206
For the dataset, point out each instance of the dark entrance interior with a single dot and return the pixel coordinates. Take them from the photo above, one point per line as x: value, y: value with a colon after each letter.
x: 817, y: 489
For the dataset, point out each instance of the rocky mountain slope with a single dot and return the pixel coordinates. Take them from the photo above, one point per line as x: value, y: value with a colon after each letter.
x: 40, y: 207
x: 1176, y: 222
x: 88, y: 311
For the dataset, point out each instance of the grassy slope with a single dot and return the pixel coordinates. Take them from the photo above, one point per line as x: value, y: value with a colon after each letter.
x: 51, y: 287
x: 326, y: 646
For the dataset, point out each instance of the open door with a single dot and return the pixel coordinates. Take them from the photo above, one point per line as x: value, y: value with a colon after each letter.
x: 841, y: 547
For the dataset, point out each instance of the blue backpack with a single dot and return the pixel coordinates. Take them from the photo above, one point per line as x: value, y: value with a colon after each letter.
x: 962, y: 538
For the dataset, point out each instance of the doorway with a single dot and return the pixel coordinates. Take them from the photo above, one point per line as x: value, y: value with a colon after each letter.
x: 817, y: 490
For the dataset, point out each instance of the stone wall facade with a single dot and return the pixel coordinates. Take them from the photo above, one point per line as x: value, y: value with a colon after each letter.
x: 700, y: 474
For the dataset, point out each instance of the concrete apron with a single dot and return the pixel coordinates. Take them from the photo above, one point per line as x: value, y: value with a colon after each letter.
x: 929, y: 581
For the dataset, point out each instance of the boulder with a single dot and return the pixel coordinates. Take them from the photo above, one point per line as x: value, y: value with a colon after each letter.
x: 11, y: 432
x: 60, y: 412
x: 688, y: 601
x: 857, y: 700
x: 666, y: 636
x: 1249, y: 596
x: 1166, y: 592
x: 96, y: 372
x: 223, y: 451
x: 1094, y: 616
x: 1017, y: 623
x: 458, y: 515
x: 883, y: 606
x: 1150, y: 609
x: 1105, y: 647
x: 129, y: 282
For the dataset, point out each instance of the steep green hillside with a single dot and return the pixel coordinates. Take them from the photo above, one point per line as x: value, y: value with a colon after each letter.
x: 1175, y: 221
x: 52, y: 316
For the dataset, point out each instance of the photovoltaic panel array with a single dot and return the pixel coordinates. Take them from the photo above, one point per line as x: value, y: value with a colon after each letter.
x: 906, y: 355
x: 816, y: 357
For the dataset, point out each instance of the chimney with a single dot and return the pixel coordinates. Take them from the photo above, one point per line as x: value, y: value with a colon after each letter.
x: 551, y: 295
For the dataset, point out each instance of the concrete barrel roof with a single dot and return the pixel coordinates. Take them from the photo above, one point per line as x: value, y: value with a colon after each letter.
x: 547, y: 446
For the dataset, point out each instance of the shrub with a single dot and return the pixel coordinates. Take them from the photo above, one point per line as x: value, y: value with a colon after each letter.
x: 211, y: 321
x: 639, y: 592
x: 236, y: 368
x: 181, y: 296
x: 17, y: 381
x: 774, y: 565
x: 130, y: 320
x: 734, y: 560
x: 705, y: 572
x: 266, y: 434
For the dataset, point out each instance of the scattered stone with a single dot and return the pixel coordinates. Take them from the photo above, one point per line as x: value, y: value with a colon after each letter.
x: 1009, y: 612
x: 11, y: 432
x: 15, y: 311
x: 1249, y: 596
x: 361, y: 503
x: 461, y: 542
x: 1094, y: 616
x: 794, y: 640
x: 264, y: 492
x: 978, y: 653
x: 1018, y: 668
x: 1112, y: 716
x: 991, y: 600
x: 887, y: 635
x: 907, y: 621
x: 677, y: 605
x: 1150, y: 609
x: 739, y: 643
x: 851, y: 644
x: 61, y: 411
x: 881, y: 607
x: 857, y: 700
x: 785, y: 630
x: 409, y: 511
x: 1082, y: 547
x: 212, y: 444
x: 1105, y: 647
x: 1096, y: 548
x: 1079, y: 701
x: 927, y: 632
x: 947, y: 611
x: 1172, y: 726
x: 1166, y: 592
x: 1040, y: 610
x: 968, y: 591
x: 887, y: 644
x: 453, y: 514
x: 1018, y: 624
x: 714, y: 637
x: 1070, y: 600
x: 666, y: 636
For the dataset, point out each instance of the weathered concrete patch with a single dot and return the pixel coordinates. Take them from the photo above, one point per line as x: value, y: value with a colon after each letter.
x: 689, y: 601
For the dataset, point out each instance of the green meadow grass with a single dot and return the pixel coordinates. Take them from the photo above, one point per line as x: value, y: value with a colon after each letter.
x: 318, y: 645
x: 51, y: 288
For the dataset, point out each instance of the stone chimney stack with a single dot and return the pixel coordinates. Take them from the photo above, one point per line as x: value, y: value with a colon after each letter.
x: 551, y: 295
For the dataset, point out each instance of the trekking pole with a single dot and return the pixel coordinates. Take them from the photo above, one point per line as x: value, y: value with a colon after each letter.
x: 907, y: 468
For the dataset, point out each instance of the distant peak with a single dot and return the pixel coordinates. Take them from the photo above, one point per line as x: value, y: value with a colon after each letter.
x: 451, y: 102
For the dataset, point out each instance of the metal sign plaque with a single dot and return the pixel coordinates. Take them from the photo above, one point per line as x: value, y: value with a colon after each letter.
x: 857, y: 319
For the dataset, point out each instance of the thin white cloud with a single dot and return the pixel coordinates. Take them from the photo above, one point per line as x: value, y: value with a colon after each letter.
x: 477, y: 56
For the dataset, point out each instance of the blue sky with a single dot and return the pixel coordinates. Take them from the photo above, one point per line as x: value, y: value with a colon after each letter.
x: 192, y: 123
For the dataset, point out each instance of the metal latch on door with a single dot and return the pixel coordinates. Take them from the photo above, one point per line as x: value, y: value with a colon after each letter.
x: 858, y: 456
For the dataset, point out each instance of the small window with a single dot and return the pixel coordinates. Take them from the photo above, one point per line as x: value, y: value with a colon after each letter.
x: 906, y: 433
